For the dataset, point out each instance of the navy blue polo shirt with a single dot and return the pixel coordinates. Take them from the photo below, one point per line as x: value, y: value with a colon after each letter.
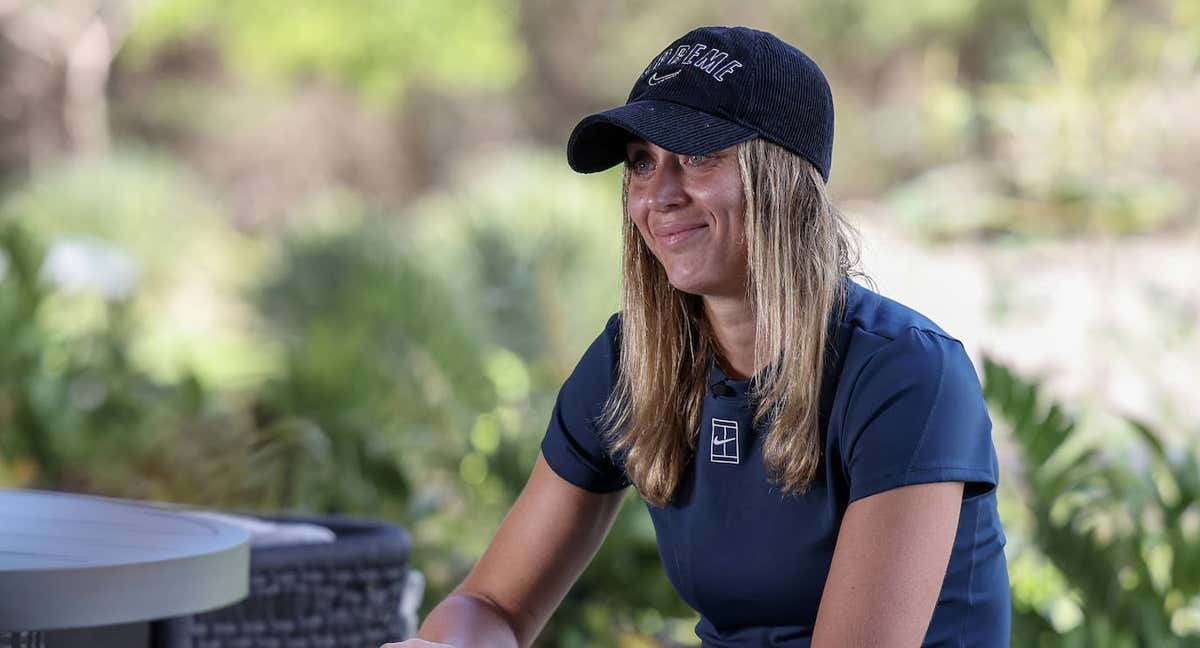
x: 901, y: 404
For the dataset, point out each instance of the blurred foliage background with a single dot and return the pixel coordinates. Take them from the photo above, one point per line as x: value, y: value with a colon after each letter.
x: 328, y: 256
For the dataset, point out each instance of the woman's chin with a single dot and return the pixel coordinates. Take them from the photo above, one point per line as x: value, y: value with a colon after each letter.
x: 689, y: 284
x: 704, y: 285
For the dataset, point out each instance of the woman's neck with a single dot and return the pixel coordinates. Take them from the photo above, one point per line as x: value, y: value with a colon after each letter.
x: 733, y: 325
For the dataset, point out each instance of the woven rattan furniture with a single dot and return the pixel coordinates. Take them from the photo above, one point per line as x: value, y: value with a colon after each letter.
x: 22, y: 640
x: 344, y: 594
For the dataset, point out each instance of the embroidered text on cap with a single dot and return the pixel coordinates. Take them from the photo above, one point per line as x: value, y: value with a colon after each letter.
x: 699, y: 55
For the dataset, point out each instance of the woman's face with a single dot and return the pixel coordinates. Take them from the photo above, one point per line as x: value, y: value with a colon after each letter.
x: 689, y: 210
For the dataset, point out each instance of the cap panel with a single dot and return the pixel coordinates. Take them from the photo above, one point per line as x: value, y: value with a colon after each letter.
x: 704, y: 69
x: 753, y: 82
x: 794, y: 109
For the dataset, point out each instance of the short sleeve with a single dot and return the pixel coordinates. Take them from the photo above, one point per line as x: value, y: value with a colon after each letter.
x: 917, y: 415
x: 572, y: 445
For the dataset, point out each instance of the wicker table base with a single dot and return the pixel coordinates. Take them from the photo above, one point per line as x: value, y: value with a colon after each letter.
x: 344, y: 594
x: 22, y: 640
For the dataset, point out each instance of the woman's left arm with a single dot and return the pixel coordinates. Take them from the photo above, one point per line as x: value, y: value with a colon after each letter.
x: 892, y: 552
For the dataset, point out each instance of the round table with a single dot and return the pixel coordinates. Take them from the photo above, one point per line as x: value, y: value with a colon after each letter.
x: 73, y: 561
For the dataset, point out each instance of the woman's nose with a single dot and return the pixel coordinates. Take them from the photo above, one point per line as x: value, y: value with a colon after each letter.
x: 667, y: 190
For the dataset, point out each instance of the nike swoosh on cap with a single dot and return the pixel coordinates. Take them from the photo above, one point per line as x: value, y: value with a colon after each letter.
x: 655, y: 79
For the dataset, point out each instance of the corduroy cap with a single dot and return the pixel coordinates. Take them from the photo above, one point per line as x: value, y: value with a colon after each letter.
x: 712, y: 88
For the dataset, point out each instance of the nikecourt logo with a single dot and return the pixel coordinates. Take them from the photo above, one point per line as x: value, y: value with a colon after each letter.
x: 724, y: 441
x: 655, y: 79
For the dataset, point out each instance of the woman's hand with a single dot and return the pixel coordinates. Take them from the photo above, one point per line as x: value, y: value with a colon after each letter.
x: 416, y: 643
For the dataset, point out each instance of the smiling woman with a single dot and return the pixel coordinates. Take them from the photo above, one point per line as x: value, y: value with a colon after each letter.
x: 696, y: 232
x: 816, y: 458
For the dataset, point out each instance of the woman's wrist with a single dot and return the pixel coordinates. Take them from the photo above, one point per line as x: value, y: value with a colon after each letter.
x: 466, y: 621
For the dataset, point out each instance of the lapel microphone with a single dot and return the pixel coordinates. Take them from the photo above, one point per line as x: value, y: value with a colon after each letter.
x: 720, y: 389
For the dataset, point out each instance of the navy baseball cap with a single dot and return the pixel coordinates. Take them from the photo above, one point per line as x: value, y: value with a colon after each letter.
x: 712, y: 88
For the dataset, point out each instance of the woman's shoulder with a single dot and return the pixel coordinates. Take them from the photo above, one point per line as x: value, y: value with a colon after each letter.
x: 871, y: 314
x: 879, y: 332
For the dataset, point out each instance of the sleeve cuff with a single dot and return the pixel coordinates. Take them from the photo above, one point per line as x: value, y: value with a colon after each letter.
x: 870, y: 487
x: 576, y: 471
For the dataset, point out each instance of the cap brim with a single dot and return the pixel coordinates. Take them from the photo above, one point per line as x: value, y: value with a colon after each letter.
x: 598, y: 141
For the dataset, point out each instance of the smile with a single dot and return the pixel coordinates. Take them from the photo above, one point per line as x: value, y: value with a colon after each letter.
x: 679, y: 237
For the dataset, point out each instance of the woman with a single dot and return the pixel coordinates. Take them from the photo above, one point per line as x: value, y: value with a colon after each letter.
x: 816, y: 458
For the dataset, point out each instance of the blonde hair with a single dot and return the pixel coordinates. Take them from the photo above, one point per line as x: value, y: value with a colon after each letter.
x: 799, y: 250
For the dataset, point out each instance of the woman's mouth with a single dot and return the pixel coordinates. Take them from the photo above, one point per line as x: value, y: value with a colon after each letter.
x: 676, y: 236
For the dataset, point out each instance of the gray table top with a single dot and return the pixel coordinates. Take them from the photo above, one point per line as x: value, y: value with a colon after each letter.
x: 69, y: 561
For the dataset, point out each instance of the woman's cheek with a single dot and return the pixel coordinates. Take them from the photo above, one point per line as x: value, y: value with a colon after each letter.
x: 648, y: 240
x: 639, y: 221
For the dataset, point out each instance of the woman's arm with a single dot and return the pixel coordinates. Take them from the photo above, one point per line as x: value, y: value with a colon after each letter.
x: 542, y: 546
x: 892, y: 552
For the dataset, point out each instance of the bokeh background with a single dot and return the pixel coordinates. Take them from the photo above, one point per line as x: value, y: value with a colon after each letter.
x: 328, y: 256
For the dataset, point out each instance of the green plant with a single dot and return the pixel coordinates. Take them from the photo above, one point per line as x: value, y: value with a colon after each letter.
x: 1126, y: 541
x: 78, y: 413
x: 67, y: 400
x: 376, y: 357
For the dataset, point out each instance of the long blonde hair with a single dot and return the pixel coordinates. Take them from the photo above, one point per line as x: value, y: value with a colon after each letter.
x: 799, y: 250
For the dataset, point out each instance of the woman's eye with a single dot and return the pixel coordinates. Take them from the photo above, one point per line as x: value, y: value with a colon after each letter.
x: 697, y: 160
x: 639, y: 165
